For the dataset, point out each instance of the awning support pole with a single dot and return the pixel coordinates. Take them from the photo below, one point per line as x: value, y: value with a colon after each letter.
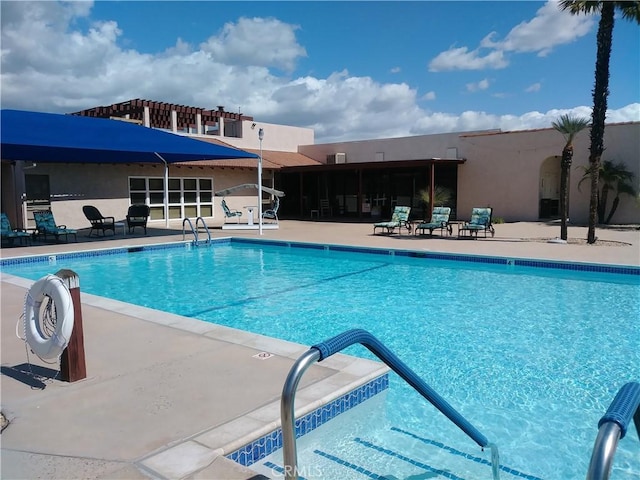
x: 166, y: 189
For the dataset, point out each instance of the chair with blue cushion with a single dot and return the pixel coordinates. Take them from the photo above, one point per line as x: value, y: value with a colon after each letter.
x: 9, y: 234
x: 439, y: 220
x: 228, y: 213
x: 399, y: 220
x: 480, y: 222
x: 46, y: 225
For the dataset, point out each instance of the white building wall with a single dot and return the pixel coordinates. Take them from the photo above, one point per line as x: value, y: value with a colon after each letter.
x: 281, y: 138
x: 404, y: 148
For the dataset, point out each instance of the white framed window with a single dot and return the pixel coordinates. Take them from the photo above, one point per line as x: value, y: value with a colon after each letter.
x: 188, y: 196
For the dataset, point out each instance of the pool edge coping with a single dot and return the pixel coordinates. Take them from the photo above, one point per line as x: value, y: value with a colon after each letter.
x: 256, y: 427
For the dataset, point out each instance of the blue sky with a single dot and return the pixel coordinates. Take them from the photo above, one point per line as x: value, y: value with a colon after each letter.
x: 350, y: 70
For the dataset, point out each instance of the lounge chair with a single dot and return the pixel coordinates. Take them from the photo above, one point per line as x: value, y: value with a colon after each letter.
x: 137, y: 216
x: 46, y: 225
x: 272, y: 213
x: 480, y: 222
x: 228, y: 213
x: 9, y: 234
x: 439, y: 219
x: 399, y: 219
x: 99, y: 223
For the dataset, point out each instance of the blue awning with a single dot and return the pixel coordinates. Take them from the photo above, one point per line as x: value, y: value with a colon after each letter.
x: 55, y: 138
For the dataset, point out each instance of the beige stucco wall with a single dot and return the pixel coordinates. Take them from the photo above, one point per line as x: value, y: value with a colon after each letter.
x: 282, y: 138
x: 404, y: 148
x: 106, y: 187
x: 504, y: 171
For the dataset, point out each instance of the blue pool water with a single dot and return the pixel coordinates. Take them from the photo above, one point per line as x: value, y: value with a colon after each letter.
x: 531, y: 356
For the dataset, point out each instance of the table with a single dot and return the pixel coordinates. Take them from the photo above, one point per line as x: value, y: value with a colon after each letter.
x: 120, y: 224
x: 250, y: 210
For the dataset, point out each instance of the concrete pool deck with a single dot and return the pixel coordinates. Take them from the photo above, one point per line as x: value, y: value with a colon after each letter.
x: 167, y: 397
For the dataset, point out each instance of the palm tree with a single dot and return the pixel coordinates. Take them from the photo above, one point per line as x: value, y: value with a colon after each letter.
x: 569, y: 127
x: 613, y: 177
x: 631, y: 11
x: 441, y: 196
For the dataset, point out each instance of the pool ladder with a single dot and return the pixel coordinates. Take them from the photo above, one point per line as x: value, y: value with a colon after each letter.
x: 195, y: 230
x: 334, y: 345
x: 612, y: 428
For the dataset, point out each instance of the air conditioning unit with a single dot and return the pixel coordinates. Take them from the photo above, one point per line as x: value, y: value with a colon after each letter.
x: 334, y: 158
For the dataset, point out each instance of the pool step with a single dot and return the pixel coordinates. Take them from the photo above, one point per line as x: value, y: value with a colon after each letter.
x: 401, y: 454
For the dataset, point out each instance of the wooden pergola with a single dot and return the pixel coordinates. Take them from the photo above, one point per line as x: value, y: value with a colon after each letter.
x: 160, y: 114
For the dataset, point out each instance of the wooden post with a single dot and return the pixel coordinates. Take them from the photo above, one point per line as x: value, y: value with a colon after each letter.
x: 72, y: 362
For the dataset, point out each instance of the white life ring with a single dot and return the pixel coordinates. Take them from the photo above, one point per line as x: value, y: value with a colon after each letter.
x: 48, y: 347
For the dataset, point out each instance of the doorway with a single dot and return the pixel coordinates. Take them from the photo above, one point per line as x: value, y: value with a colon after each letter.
x: 549, y: 195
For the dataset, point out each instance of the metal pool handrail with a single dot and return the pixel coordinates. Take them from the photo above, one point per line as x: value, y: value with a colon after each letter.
x: 194, y: 231
x: 333, y: 345
x: 206, y: 229
x: 612, y: 428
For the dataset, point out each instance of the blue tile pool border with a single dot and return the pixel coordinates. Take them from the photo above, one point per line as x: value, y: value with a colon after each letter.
x: 456, y: 257
x: 271, y: 442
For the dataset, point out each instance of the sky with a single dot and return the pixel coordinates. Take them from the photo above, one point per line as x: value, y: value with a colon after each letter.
x: 349, y: 70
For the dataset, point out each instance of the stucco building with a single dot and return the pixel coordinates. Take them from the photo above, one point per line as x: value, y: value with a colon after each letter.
x: 517, y: 173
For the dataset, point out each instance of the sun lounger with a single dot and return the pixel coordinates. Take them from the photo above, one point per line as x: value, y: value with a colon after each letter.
x: 399, y: 219
x: 480, y: 222
x: 439, y: 220
x: 9, y: 234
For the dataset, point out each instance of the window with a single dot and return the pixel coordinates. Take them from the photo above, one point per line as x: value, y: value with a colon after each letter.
x: 188, y: 197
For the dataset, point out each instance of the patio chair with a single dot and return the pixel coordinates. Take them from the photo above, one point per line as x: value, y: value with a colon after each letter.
x: 228, y: 213
x: 272, y: 213
x: 399, y: 219
x: 46, y: 225
x: 9, y: 234
x: 439, y: 219
x: 99, y: 223
x: 480, y: 222
x: 325, y: 208
x: 137, y: 216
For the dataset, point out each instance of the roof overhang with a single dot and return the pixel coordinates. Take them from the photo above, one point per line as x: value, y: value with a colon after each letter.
x: 375, y: 165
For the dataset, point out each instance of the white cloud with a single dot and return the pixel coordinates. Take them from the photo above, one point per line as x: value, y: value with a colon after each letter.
x: 463, y: 59
x: 49, y: 65
x: 535, y: 87
x: 395, y: 70
x: 548, y: 29
x: 266, y: 42
x: 481, y: 85
x: 625, y: 114
x: 441, y: 122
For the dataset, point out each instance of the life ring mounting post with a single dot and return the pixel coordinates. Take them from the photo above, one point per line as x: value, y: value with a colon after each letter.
x: 72, y: 362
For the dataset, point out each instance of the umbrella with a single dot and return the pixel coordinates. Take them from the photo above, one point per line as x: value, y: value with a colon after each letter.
x: 246, y: 186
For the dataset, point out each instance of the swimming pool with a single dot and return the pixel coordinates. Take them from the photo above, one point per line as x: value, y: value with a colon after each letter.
x: 531, y: 356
